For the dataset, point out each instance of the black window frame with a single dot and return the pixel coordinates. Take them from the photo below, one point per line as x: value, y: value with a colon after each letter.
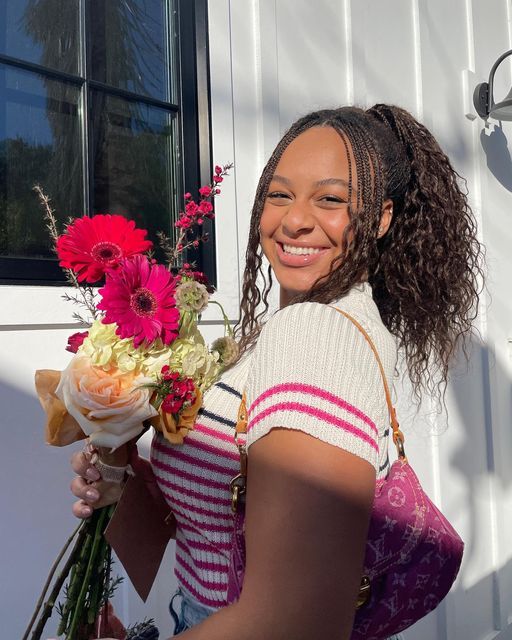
x: 193, y: 112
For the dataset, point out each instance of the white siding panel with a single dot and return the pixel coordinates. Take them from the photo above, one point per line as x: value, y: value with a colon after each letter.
x: 384, y: 52
x: 311, y: 57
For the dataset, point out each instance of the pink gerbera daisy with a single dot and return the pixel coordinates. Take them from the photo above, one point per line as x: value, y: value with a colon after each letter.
x: 139, y: 298
x: 92, y: 246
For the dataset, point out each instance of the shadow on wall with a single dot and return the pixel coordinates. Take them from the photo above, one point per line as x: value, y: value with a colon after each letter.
x: 35, y: 506
x: 36, y: 518
x: 495, y: 146
x: 475, y: 461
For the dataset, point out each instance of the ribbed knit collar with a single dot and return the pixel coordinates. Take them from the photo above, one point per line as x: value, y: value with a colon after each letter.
x: 358, y: 291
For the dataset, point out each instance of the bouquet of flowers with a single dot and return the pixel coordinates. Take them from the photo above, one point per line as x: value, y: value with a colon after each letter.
x: 141, y: 362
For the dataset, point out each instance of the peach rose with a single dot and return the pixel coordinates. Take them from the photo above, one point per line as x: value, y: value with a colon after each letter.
x: 109, y: 406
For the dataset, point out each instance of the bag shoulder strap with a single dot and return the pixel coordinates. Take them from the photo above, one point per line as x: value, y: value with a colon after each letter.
x: 398, y: 436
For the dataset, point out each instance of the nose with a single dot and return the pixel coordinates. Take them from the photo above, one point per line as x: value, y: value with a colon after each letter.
x: 297, y: 220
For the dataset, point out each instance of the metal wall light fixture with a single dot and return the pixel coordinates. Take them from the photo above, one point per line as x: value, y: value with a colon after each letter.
x: 483, y: 98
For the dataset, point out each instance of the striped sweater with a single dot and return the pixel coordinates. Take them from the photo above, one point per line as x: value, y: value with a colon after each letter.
x: 311, y: 370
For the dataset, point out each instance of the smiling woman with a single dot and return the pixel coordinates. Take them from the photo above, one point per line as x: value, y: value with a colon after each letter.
x: 306, y: 213
x: 359, y: 210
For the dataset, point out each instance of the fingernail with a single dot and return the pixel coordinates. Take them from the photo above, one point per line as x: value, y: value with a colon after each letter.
x: 86, y: 511
x: 92, y: 474
x: 91, y: 494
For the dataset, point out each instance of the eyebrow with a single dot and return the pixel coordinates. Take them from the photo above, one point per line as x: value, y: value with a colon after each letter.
x: 319, y: 183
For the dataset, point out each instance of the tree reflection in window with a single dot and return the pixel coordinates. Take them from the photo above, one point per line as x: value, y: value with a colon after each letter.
x: 104, y: 102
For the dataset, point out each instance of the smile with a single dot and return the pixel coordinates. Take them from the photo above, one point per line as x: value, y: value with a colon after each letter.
x: 299, y: 251
x: 293, y: 256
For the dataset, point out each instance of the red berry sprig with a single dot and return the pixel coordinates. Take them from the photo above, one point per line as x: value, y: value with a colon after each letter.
x: 196, y: 212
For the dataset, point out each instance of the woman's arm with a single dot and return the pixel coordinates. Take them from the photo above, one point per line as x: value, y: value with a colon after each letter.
x: 308, y: 510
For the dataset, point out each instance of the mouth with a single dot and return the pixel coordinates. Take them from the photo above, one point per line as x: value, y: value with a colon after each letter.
x: 299, y: 256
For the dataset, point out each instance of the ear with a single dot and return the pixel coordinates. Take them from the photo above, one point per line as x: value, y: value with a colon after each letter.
x: 385, y: 217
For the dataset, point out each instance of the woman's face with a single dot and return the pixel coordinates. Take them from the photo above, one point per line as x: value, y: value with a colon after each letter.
x: 306, y: 210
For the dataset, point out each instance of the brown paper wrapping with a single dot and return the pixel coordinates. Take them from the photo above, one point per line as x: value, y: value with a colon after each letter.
x: 61, y: 428
x: 175, y: 432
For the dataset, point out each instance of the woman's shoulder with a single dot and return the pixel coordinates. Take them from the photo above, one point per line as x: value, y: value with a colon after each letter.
x: 314, y: 371
x: 316, y: 322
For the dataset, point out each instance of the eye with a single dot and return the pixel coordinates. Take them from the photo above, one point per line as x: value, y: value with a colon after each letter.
x: 334, y: 199
x: 277, y: 194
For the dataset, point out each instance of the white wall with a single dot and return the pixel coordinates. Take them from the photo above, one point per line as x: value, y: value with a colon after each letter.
x: 272, y: 60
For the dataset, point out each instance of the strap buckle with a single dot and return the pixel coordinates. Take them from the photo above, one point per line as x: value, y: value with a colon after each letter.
x: 364, y: 592
x: 238, y: 487
x: 398, y: 439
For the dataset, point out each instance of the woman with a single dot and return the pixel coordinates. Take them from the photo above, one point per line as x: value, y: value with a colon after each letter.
x: 358, y: 210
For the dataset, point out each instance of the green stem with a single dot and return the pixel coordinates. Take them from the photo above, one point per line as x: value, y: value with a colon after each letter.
x: 50, y: 603
x: 227, y: 325
x: 97, y: 583
x: 78, y: 612
x: 50, y: 578
x: 75, y: 580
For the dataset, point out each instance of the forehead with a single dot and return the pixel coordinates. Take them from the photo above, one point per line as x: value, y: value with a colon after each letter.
x: 317, y: 153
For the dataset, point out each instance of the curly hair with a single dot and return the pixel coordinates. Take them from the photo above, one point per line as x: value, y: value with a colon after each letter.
x: 425, y: 272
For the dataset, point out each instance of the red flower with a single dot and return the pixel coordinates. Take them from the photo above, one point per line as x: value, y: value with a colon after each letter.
x: 92, y: 246
x: 191, y: 208
x: 75, y: 341
x: 181, y: 390
x: 205, y: 191
x: 205, y: 207
x: 218, y: 170
x: 172, y: 404
x: 139, y: 298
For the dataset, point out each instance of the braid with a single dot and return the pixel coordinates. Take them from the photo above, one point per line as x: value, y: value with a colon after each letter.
x: 249, y: 325
x: 425, y: 271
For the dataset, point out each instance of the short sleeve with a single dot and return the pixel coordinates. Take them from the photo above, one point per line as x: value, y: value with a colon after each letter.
x: 313, y: 371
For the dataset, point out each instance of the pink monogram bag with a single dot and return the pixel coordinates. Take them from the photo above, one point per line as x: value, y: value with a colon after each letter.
x: 412, y: 556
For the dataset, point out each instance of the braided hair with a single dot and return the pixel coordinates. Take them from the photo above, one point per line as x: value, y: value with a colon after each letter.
x: 425, y: 272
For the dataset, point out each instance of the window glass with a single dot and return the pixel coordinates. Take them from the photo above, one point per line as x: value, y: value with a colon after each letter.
x: 41, y: 31
x: 39, y: 143
x: 128, y: 45
x: 132, y: 171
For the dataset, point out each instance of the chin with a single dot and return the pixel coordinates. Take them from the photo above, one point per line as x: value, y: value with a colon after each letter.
x: 293, y: 289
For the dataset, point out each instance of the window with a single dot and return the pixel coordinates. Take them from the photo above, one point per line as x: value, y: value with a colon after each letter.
x: 96, y: 99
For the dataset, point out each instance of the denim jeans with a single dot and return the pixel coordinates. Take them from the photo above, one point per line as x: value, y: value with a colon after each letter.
x: 189, y: 613
x: 192, y: 612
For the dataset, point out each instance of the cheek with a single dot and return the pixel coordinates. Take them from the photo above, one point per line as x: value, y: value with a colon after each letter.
x: 269, y: 221
x: 335, y: 228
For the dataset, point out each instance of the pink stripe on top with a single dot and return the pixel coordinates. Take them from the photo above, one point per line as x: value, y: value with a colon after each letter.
x: 194, y: 478
x: 336, y: 407
x: 316, y: 413
x: 298, y: 387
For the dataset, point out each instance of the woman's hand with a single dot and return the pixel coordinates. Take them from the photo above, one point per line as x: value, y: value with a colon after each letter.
x: 88, y: 485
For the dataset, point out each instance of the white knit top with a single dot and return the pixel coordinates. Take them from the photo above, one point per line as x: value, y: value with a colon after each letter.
x: 311, y: 370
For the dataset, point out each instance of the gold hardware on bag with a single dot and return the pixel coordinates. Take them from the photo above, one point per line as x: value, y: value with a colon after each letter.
x: 364, y: 592
x: 398, y: 439
x: 237, y: 486
x: 241, y: 422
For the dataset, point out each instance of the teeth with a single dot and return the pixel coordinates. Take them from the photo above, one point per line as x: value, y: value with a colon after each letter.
x: 299, y: 251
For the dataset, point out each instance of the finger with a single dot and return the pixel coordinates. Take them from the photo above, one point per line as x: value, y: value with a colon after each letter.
x: 81, y: 466
x: 81, y: 509
x: 82, y: 489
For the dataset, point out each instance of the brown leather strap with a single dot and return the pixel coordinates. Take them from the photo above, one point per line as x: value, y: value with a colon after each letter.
x: 398, y: 436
